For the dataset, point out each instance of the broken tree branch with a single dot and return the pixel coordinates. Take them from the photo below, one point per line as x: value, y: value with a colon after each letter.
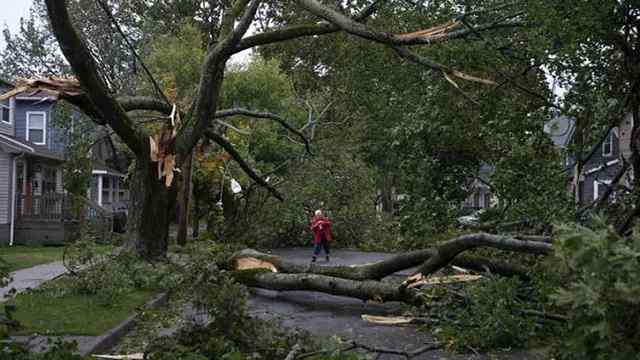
x: 446, y: 252
x: 85, y: 68
x: 425, y: 37
x: 226, y: 145
x: 364, y: 290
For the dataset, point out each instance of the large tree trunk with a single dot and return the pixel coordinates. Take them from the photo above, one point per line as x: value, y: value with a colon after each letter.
x: 260, y: 270
x: 148, y: 225
x: 196, y: 218
x: 364, y: 290
x: 384, y: 268
x: 183, y: 201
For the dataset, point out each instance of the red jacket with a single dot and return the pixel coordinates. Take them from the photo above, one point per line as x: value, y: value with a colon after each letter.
x: 318, y: 226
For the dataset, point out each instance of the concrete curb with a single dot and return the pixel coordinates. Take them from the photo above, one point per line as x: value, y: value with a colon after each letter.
x: 109, y: 339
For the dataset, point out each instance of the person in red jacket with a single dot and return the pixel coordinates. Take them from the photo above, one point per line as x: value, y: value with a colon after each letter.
x: 321, y: 228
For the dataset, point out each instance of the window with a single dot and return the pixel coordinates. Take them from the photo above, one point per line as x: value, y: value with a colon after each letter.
x: 49, y: 181
x: 607, y: 145
x: 5, y: 114
x: 37, y: 127
x: 599, y: 188
x: 487, y: 200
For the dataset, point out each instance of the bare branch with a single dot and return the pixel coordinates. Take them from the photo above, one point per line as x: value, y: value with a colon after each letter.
x: 146, y: 103
x: 241, y: 28
x: 264, y: 115
x: 297, y: 31
x: 226, y: 145
x: 227, y: 125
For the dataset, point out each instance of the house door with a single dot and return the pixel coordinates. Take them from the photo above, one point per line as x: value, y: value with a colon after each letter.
x: 36, y: 180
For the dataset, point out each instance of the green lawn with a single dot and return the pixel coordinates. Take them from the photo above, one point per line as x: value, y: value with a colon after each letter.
x: 20, y: 257
x: 49, y: 313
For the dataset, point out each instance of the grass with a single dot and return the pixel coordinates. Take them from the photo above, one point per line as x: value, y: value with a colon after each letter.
x: 22, y: 257
x: 51, y: 311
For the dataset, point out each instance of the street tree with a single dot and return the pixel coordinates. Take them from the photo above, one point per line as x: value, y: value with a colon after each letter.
x: 151, y: 198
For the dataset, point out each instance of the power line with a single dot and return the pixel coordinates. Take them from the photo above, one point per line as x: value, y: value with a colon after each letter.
x: 135, y: 53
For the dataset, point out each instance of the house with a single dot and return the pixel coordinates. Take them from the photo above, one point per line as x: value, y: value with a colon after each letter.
x: 33, y: 205
x: 480, y: 196
x: 601, y: 169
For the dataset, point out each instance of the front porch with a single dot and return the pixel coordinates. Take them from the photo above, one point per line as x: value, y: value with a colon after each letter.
x: 45, y: 215
x: 54, y: 219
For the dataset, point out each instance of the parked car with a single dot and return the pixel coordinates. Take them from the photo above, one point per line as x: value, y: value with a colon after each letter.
x: 471, y: 219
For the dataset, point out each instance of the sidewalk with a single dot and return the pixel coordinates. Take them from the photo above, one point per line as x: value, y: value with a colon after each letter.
x: 31, y: 278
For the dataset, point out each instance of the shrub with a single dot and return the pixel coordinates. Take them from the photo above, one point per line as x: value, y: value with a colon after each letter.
x: 59, y: 351
x: 108, y: 276
x: 602, y: 296
x: 488, y: 316
x: 229, y: 332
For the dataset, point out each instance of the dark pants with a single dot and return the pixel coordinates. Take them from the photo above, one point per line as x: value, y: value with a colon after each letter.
x: 317, y: 248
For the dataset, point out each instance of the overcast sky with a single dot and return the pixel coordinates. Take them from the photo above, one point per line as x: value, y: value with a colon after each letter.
x: 10, y: 13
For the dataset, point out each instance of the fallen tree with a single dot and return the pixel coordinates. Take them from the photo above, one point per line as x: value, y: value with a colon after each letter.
x: 260, y: 270
x: 384, y: 268
x: 363, y: 290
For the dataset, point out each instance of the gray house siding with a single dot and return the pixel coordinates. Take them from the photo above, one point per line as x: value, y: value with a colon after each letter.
x: 5, y: 196
x: 5, y: 187
x: 600, y: 169
x: 54, y: 140
x: 7, y: 128
x: 603, y: 176
x: 599, y: 159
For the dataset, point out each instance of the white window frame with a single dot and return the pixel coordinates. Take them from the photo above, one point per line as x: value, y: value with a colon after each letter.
x: 610, y: 140
x: 596, y: 184
x: 6, y: 121
x: 44, y: 126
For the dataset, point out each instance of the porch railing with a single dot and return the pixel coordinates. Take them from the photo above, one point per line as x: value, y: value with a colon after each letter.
x: 48, y: 206
x: 66, y: 209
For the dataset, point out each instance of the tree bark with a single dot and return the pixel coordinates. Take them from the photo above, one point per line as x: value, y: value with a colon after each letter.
x: 183, y: 201
x: 148, y: 225
x: 196, y: 218
x: 364, y: 290
x: 229, y: 211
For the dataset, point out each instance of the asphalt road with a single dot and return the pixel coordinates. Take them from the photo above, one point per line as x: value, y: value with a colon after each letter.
x: 328, y: 315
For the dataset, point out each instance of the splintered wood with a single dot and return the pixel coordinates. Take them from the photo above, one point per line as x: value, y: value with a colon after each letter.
x: 431, y: 32
x: 54, y: 87
x: 420, y: 280
x: 248, y: 263
x: 387, y: 320
x: 162, y: 148
x: 136, y: 356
